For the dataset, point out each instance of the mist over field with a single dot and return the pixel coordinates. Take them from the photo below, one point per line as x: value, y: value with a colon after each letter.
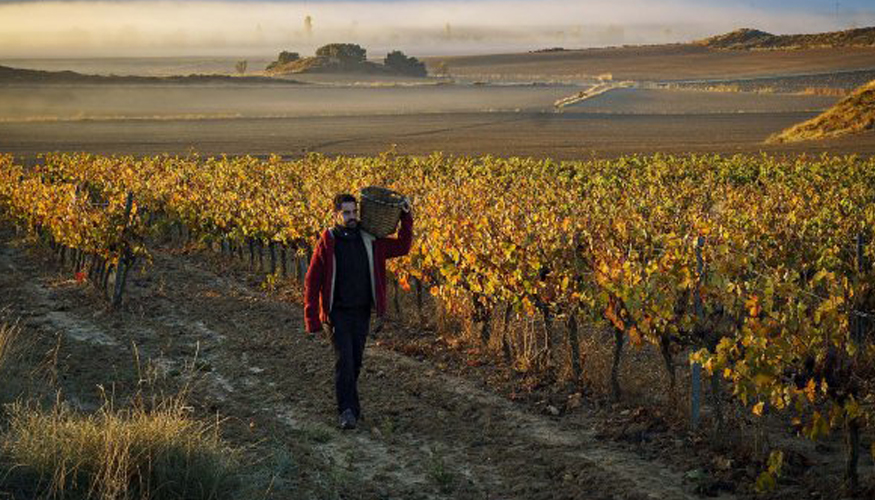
x: 160, y: 28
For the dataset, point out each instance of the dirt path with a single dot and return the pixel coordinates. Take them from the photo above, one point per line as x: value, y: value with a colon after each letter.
x: 427, y: 435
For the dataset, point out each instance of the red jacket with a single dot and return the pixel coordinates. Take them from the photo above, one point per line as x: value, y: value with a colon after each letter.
x: 319, y: 283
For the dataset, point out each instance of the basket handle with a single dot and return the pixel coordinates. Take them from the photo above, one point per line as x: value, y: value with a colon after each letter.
x: 394, y: 204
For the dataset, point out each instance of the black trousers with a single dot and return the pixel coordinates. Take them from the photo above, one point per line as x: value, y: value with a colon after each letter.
x: 350, y: 334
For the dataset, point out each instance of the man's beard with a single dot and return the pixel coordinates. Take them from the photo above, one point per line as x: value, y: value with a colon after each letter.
x: 352, y: 224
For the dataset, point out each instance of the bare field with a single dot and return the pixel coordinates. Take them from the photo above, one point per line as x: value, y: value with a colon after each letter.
x: 143, y: 66
x: 546, y: 135
x: 837, y: 80
x: 656, y: 63
x: 684, y: 102
x: 46, y: 103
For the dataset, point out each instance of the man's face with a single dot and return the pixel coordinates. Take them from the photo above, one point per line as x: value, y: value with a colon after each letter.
x: 348, y: 215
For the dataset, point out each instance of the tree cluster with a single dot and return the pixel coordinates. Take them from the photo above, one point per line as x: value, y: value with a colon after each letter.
x: 403, y: 64
x: 350, y: 56
x: 345, y: 53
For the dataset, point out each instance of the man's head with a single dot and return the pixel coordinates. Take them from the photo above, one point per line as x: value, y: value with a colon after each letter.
x: 346, y: 210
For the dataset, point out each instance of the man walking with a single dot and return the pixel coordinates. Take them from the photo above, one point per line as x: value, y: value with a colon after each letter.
x: 346, y: 278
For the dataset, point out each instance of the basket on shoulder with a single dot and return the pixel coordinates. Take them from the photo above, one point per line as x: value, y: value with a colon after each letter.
x: 380, y: 210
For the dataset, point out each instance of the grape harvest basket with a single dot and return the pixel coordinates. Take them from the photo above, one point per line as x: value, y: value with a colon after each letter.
x: 380, y: 210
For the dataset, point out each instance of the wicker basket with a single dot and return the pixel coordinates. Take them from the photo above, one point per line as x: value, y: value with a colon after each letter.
x: 380, y: 210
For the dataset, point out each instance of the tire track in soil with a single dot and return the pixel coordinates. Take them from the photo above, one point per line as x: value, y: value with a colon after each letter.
x: 422, y: 133
x: 426, y: 434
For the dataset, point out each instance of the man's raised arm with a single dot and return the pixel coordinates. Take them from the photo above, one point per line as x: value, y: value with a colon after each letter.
x: 399, y: 246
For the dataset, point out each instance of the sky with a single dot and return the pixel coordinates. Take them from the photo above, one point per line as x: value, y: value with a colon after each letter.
x: 123, y: 28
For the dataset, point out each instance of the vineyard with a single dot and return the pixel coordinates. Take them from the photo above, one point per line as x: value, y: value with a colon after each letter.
x: 756, y: 269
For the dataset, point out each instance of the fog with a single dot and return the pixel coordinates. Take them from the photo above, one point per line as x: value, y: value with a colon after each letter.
x: 134, y: 102
x: 165, y: 28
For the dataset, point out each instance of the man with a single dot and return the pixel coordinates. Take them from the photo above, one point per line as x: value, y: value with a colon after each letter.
x: 347, y: 276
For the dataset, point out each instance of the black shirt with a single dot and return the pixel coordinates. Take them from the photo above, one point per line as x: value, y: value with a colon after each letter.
x: 352, y: 286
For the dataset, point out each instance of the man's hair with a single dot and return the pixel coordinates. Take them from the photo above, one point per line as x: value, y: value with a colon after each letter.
x: 342, y: 198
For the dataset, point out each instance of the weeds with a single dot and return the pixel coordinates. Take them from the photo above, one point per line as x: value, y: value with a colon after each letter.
x: 440, y: 474
x: 387, y: 427
x: 115, y: 454
x: 152, y: 449
x: 8, y: 335
x: 317, y: 433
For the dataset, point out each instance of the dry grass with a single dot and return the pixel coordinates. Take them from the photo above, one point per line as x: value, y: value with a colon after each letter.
x: 321, y: 64
x: 8, y: 334
x: 116, y: 454
x: 732, y: 88
x: 155, y: 449
x: 299, y: 66
x: 853, y: 114
x: 825, y: 91
x: 760, y: 89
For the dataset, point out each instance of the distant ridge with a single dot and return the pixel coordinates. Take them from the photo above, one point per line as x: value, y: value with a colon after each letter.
x: 853, y: 114
x: 752, y: 39
x: 15, y: 75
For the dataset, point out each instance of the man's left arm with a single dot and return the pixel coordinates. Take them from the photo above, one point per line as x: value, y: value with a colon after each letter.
x: 400, y: 246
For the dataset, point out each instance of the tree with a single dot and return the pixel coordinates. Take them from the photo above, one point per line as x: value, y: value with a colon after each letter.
x: 287, y: 57
x: 403, y: 64
x: 241, y: 66
x: 346, y: 53
x: 284, y: 58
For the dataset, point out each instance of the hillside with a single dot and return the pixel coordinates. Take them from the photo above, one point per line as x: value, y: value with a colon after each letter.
x: 854, y: 114
x: 752, y: 39
x: 28, y: 76
x: 395, y: 64
x: 320, y: 64
x: 669, y: 62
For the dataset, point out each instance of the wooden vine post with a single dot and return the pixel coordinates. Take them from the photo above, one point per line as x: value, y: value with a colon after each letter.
x: 574, y: 348
x: 125, y: 259
x: 853, y: 424
x: 696, y: 375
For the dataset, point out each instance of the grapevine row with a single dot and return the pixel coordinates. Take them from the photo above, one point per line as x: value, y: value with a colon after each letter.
x: 748, y: 260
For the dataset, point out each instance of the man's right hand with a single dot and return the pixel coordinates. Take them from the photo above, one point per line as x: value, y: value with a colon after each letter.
x: 326, y: 333
x: 323, y: 327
